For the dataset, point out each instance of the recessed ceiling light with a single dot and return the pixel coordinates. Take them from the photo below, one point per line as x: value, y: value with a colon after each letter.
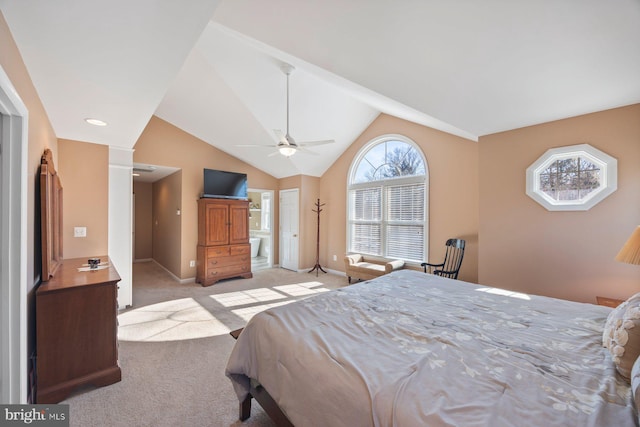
x: 95, y: 122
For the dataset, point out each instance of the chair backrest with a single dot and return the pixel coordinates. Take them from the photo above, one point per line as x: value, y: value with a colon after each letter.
x: 452, y: 259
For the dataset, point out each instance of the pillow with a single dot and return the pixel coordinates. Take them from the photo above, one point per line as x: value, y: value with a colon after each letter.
x: 393, y: 265
x: 635, y: 385
x: 613, y: 320
x: 624, y: 336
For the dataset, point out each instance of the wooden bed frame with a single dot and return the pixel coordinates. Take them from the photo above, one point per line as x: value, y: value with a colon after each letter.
x: 268, y: 404
x: 259, y: 393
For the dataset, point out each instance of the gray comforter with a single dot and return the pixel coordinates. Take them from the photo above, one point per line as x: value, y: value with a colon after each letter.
x: 412, y: 349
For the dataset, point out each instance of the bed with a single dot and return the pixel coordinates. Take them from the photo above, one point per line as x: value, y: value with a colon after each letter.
x: 413, y: 349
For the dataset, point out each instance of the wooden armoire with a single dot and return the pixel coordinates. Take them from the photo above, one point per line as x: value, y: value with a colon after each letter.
x: 223, y: 240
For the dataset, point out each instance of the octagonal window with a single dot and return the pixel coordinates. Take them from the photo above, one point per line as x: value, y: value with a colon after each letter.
x: 575, y: 177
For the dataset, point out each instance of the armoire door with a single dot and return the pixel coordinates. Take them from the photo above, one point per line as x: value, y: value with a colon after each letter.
x: 239, y: 219
x: 216, y: 229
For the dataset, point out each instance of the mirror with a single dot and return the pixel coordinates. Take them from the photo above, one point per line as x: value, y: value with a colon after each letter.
x: 51, y: 216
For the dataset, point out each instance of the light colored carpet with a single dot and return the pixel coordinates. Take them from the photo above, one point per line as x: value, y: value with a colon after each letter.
x: 174, y: 345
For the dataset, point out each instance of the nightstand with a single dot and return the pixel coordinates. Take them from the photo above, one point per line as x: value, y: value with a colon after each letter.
x: 609, y: 302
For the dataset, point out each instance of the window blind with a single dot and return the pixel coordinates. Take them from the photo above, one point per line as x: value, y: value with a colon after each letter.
x: 405, y: 222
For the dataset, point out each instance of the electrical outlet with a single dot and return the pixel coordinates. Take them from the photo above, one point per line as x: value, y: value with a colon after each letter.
x: 335, y: 257
x: 192, y: 263
x: 79, y: 231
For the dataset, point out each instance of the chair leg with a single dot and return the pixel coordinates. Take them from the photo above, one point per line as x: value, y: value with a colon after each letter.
x: 349, y: 277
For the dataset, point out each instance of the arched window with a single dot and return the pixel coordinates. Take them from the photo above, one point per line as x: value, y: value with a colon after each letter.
x: 387, y: 200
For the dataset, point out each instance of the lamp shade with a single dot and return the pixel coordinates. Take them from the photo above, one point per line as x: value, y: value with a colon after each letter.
x: 630, y: 252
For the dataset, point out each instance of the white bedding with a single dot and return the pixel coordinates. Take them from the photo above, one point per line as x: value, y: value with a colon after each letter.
x: 412, y: 349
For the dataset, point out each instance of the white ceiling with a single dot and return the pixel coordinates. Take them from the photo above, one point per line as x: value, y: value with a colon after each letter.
x: 212, y: 68
x: 143, y: 172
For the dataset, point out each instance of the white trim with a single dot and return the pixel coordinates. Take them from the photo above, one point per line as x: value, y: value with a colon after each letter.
x: 173, y: 276
x: 336, y: 272
x: 609, y: 184
x: 13, y: 252
x: 121, y: 220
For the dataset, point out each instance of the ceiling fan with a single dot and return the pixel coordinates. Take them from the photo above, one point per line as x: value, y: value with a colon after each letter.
x: 287, y: 146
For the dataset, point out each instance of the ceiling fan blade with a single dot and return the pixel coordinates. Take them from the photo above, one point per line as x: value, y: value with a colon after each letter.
x: 275, y: 153
x: 306, y: 151
x: 281, y: 136
x: 322, y: 142
x: 255, y: 145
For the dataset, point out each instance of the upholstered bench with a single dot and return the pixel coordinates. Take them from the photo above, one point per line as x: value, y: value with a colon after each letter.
x: 357, y: 267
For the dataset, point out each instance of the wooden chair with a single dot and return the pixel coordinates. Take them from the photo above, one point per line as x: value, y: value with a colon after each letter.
x: 452, y: 260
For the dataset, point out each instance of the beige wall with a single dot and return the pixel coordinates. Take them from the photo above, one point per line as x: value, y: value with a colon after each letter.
x: 143, y: 237
x: 167, y: 224
x: 562, y: 254
x: 309, y: 195
x: 41, y: 136
x: 163, y: 144
x: 453, y: 192
x: 84, y: 173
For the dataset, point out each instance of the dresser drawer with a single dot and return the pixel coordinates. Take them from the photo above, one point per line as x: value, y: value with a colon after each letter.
x: 217, y: 251
x: 228, y: 270
x: 240, y: 249
x: 228, y: 260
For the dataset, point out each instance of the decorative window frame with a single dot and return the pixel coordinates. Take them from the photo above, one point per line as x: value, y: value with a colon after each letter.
x: 422, y: 179
x: 609, y: 177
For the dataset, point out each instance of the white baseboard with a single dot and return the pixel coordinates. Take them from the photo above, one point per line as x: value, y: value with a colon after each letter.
x: 328, y: 270
x: 176, y: 278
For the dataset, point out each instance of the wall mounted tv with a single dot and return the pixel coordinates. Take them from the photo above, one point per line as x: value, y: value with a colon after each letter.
x: 224, y: 185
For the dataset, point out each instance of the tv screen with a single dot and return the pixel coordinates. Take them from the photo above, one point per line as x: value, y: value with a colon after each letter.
x: 225, y: 185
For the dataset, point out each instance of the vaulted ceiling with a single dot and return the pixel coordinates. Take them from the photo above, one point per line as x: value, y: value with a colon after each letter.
x: 212, y: 67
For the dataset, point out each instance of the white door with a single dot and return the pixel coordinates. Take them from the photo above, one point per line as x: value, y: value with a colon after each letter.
x: 14, y: 334
x: 289, y: 224
x: 133, y: 231
x: 4, y: 327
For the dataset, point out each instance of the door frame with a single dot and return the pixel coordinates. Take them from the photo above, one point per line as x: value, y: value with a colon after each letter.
x: 13, y: 244
x: 295, y: 191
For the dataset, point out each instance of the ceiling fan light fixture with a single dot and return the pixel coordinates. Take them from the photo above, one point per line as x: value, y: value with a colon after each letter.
x: 287, y: 150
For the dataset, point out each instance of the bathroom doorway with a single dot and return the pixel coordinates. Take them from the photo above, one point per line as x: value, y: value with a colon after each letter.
x: 261, y: 228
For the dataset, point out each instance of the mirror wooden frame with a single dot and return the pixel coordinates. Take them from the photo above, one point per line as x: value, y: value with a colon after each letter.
x: 51, y: 216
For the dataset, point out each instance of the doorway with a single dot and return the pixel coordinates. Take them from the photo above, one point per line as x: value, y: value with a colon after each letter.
x: 261, y: 228
x: 289, y: 228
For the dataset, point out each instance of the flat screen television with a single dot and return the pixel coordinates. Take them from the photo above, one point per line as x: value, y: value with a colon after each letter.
x: 224, y: 185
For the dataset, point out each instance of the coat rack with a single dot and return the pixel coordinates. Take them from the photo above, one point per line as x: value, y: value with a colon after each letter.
x: 317, y: 268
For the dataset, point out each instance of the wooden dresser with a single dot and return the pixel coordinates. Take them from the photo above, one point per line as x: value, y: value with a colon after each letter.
x: 223, y: 240
x: 76, y: 330
x: 609, y: 302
